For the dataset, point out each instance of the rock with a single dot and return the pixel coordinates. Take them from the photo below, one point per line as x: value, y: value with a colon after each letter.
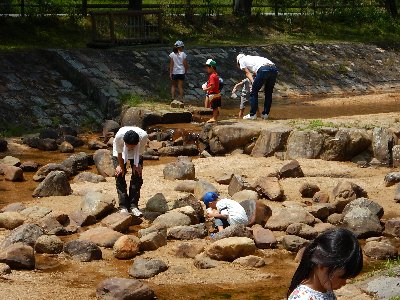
x: 153, y: 228
x: 12, y: 173
x: 51, y: 226
x: 322, y: 227
x: 237, y: 184
x: 66, y: 147
x: 392, y: 227
x: 49, y: 133
x: 18, y: 256
x: 202, y: 261
x: 380, y: 250
x: 397, y: 194
x: 123, y: 289
x: 172, y: 219
x: 264, y: 238
x: 157, y: 203
x: 81, y: 218
x: 374, y: 207
x: 257, y: 212
x: 231, y: 248
x: 156, y: 145
x: 203, y: 187
x: 392, y: 178
x: 396, y: 156
x: 186, y: 150
x: 308, y: 190
x: 10, y: 161
x: 95, y: 145
x: 101, y: 236
x: 186, y: 186
x: 190, y: 200
x: 49, y: 244
x: 270, y: 188
x: 147, y: 268
x: 11, y: 220
x: 363, y: 222
x: 205, y: 154
x: 359, y: 141
x: 13, y: 207
x: 47, y: 145
x: 118, y: 221
x: 320, y: 197
x: 250, y: 261
x: 224, y: 179
x: 110, y: 142
x: 187, y: 250
x: 104, y: 164
x: 73, y: 140
x: 110, y: 126
x: 334, y: 148
x: 345, y: 192
x: 97, y: 204
x: 237, y: 230
x: 152, y: 241
x: 291, y: 169
x: 67, y: 130
x: 26, y: 234
x: 320, y: 210
x: 83, y: 250
x: 45, y: 170
x: 187, y: 232
x: 189, y: 211
x: 382, y: 143
x: 234, y: 136
x: 302, y: 230
x: 29, y: 166
x: 293, y: 243
x: 77, y: 162
x: 89, y: 177
x: 177, y: 104
x: 271, y: 140
x: 126, y: 247
x: 36, y: 212
x: 4, y: 269
x: 384, y: 287
x: 55, y: 184
x: 245, y: 195
x: 283, y: 218
x: 304, y: 144
x: 3, y: 145
x: 335, y: 219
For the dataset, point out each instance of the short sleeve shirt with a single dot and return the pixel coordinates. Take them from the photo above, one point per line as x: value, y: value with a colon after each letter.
x: 246, y: 86
x: 213, y: 79
x: 253, y: 63
x: 178, y: 59
x: 303, y: 292
x: 233, y: 210
x: 119, y: 144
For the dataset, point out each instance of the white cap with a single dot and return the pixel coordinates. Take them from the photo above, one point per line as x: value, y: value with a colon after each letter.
x: 239, y: 57
x: 179, y: 44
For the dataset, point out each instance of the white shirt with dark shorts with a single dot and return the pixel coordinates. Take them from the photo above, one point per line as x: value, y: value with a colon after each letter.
x: 178, y: 71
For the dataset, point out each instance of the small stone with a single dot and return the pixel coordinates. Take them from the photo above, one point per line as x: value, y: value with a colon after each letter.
x: 81, y: 218
x: 264, y: 238
x: 95, y: 145
x: 392, y: 227
x: 231, y: 248
x: 126, y: 247
x: 250, y: 261
x: 4, y: 269
x: 66, y: 147
x: 237, y: 230
x: 187, y: 250
x: 186, y: 186
x: 13, y: 207
x: 121, y: 288
x: 29, y: 166
x: 147, y: 268
x: 335, y: 219
x: 205, y: 154
x: 291, y: 169
x: 202, y: 261
x: 293, y: 243
x: 153, y: 241
x: 12, y: 173
x: 89, y: 177
x: 18, y: 256
x: 302, y: 230
x: 270, y: 188
x: 224, y: 179
x: 118, y: 221
x: 177, y: 104
x: 237, y: 184
x: 101, y: 236
x: 11, y: 161
x: 26, y: 234
x: 49, y: 244
x: 321, y: 197
x: 308, y: 190
x: 320, y: 210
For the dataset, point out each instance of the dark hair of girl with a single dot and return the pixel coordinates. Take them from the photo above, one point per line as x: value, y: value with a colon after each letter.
x: 335, y: 249
x: 131, y: 137
x: 175, y: 49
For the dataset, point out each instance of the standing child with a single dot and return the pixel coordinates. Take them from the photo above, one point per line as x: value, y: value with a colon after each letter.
x: 244, y: 96
x: 213, y: 97
x: 327, y: 262
x: 178, y: 67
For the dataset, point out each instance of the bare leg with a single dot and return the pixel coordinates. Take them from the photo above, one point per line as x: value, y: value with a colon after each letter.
x: 173, y: 84
x: 220, y: 228
x: 180, y: 88
x: 241, y: 113
x: 207, y: 102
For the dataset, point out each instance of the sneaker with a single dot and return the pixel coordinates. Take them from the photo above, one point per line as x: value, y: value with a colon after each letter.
x: 212, y: 235
x: 123, y: 210
x: 250, y: 117
x: 136, y: 212
x: 264, y: 116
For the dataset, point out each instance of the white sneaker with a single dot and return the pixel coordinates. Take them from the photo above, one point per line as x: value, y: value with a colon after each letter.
x: 136, y: 212
x: 123, y: 210
x: 264, y: 116
x: 250, y: 117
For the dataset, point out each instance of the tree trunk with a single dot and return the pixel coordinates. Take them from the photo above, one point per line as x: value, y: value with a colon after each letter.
x: 391, y: 8
x: 242, y: 7
x: 135, y: 4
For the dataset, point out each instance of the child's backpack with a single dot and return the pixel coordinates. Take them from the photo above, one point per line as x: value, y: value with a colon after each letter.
x: 221, y: 84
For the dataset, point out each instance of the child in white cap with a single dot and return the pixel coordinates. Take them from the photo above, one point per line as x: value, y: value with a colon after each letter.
x: 178, y: 67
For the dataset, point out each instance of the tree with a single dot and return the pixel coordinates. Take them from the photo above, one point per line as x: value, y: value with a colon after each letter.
x: 242, y: 7
x: 135, y: 4
x: 391, y: 7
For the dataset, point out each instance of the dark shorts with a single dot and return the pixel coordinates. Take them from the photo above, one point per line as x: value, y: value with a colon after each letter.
x: 178, y: 76
x: 215, y: 102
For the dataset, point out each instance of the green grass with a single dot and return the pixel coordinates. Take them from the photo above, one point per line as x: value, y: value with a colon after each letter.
x: 15, y: 130
x: 390, y: 265
x: 315, y: 124
x: 395, y: 298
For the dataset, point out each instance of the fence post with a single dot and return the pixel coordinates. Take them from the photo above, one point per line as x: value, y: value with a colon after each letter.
x: 276, y: 9
x: 23, y: 8
x: 84, y: 7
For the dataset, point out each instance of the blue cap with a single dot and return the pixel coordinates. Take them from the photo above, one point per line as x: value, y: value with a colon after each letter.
x: 209, y: 197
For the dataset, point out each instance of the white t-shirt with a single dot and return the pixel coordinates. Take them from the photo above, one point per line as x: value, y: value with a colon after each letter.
x: 253, y: 63
x: 119, y: 144
x: 178, y: 59
x: 235, y: 212
x: 246, y: 86
x: 303, y: 292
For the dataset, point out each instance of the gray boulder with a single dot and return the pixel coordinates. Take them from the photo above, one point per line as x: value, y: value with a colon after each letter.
x: 284, y: 217
x: 271, y: 140
x: 77, y: 162
x: 380, y: 250
x: 82, y: 219
x: 182, y: 169
x: 83, y: 251
x: 392, y: 178
x: 172, y: 219
x: 384, y: 287
x: 236, y: 185
x: 302, y: 230
x: 293, y: 243
x: 392, y: 227
x: 97, y: 204
x: 18, y: 256
x: 235, y: 136
x: 237, y: 230
x: 382, y: 143
x: 373, y: 206
x: 26, y: 234
x: 147, y: 268
x: 304, y: 144
x: 89, y: 177
x: 110, y: 126
x: 42, y: 173
x: 118, y: 221
x: 190, y: 200
x: 345, y: 192
x: 186, y: 150
x: 270, y: 188
x: 188, y: 250
x: 55, y: 184
x: 187, y: 232
x: 123, y: 289
x: 363, y: 222
x: 231, y: 248
x: 202, y: 261
x: 157, y: 203
x: 203, y: 187
x: 104, y: 164
x: 95, y: 145
x: 153, y: 241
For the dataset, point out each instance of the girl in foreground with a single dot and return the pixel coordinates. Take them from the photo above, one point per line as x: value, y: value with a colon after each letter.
x: 327, y: 262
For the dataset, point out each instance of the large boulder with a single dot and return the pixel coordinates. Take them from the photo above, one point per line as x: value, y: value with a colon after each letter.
x: 13, y: 207
x: 358, y: 142
x: 257, y: 212
x: 10, y: 161
x: 291, y: 169
x: 384, y: 287
x: 49, y: 244
x: 101, y: 236
x: 46, y: 169
x: 55, y: 184
x: 382, y: 143
x: 264, y: 238
x: 147, y: 268
x: 231, y: 248
x: 321, y: 210
x: 186, y: 150
x: 172, y: 219
x: 89, y: 177
x: 203, y: 187
x: 392, y: 227
x: 281, y: 219
x: 334, y: 148
x: 250, y: 261
x: 271, y: 140
x: 110, y: 126
x: 345, y: 192
x: 123, y: 289
x: 380, y: 250
x: 373, y: 206
x: 126, y: 247
x: 47, y: 144
x: 18, y: 256
x: 363, y: 222
x: 77, y: 162
x: 293, y: 243
x: 104, y: 164
x: 97, y: 204
x: 83, y: 250
x: 245, y: 195
x: 49, y: 133
x: 82, y: 219
x: 12, y: 173
x: 35, y: 213
x: 235, y: 136
x: 270, y: 188
x: 187, y: 232
x: 190, y: 200
x: 153, y: 241
x: 304, y: 144
x: 237, y: 184
x: 183, y: 168
x: 118, y: 221
x: 237, y: 230
x: 11, y: 220
x: 26, y: 234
